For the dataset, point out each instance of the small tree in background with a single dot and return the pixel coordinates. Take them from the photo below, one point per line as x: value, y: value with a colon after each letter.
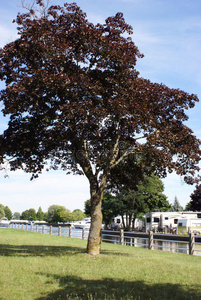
x: 16, y: 216
x: 40, y: 214
x: 188, y: 207
x: 78, y: 215
x: 29, y: 214
x: 8, y: 213
x: 176, y: 205
x: 2, y: 213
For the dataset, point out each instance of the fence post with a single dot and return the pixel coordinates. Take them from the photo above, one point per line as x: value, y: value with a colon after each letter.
x: 18, y: 226
x: 151, y: 240
x: 59, y: 231
x: 50, y: 229
x: 37, y: 228
x: 191, y: 243
x: 83, y: 233
x: 70, y: 231
x: 22, y: 227
x: 43, y: 230
x: 26, y: 227
x: 121, y: 236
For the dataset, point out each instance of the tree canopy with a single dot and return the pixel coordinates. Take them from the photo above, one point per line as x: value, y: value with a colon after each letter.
x: 195, y: 203
x: 133, y: 203
x: 76, y: 101
x: 5, y: 212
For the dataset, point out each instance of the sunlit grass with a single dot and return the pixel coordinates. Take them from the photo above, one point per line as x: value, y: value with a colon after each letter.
x: 40, y: 266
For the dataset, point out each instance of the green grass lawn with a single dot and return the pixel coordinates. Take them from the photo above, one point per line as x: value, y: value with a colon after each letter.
x: 40, y: 266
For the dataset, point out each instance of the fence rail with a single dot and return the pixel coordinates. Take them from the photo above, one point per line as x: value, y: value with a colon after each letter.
x: 189, y: 244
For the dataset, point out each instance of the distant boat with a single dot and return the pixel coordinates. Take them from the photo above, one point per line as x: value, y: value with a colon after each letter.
x: 85, y: 223
x: 4, y: 222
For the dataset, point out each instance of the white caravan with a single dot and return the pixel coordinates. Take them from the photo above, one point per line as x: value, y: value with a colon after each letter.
x: 117, y: 223
x: 188, y: 224
x: 161, y: 220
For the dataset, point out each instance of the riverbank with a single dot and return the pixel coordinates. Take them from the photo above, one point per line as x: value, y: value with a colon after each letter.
x: 37, y: 266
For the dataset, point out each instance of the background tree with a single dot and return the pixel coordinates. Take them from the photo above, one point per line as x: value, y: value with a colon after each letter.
x: 188, y: 207
x: 29, y: 214
x: 8, y: 213
x: 2, y: 213
x: 74, y: 97
x: 77, y: 215
x: 62, y: 215
x: 148, y: 196
x: 176, y: 205
x: 16, y: 216
x: 40, y: 214
x: 195, y: 202
x: 58, y: 213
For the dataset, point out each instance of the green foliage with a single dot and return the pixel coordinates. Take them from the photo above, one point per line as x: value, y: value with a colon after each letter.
x: 29, y: 214
x: 8, y: 213
x: 57, y: 213
x: 54, y: 212
x: 176, y: 205
x: 188, y: 207
x: 148, y: 196
x: 16, y: 216
x: 40, y: 214
x: 5, y: 212
x: 2, y: 213
x: 77, y: 215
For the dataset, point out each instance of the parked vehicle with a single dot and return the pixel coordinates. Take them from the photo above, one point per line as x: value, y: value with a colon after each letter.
x: 161, y: 220
x: 187, y: 225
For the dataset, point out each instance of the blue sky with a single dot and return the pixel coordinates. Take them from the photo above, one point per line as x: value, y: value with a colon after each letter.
x: 168, y: 33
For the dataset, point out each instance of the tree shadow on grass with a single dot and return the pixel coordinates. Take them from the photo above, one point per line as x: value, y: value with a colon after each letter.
x: 35, y: 250
x: 77, y: 288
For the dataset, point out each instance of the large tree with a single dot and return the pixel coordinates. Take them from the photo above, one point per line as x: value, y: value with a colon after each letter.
x: 74, y: 98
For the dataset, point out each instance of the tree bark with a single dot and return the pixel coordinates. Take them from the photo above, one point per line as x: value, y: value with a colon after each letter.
x: 94, y: 239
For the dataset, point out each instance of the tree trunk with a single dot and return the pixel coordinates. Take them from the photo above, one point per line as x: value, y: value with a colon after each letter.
x: 94, y: 239
x: 123, y: 221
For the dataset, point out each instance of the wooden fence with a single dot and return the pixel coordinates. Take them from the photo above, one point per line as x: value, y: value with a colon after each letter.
x: 189, y: 244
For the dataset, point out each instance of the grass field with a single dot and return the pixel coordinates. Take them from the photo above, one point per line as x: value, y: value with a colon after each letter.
x: 40, y: 266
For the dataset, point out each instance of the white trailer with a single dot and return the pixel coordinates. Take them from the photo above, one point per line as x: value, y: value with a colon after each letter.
x: 117, y: 222
x: 161, y: 220
x: 187, y: 225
